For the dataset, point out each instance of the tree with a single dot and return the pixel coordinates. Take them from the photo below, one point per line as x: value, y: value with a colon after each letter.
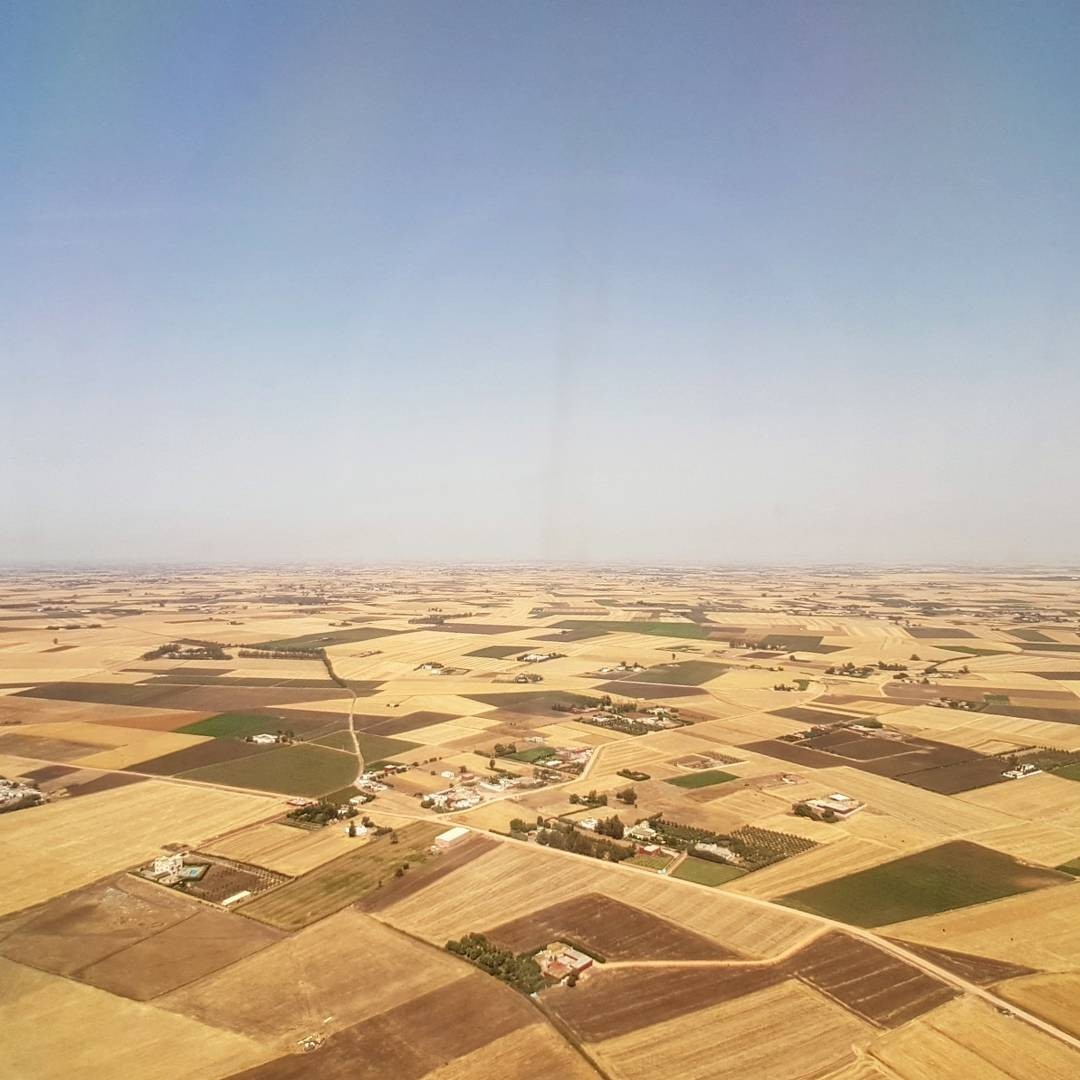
x: 352, y: 828
x: 627, y: 795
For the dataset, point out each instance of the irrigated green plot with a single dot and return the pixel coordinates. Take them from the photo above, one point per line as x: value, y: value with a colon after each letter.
x: 649, y: 862
x: 705, y: 778
x: 233, y: 725
x: 300, y: 769
x: 1069, y: 772
x: 654, y: 629
x: 687, y: 673
x: 705, y: 872
x: 330, y: 637
x: 952, y: 875
x: 534, y: 753
x: 343, y: 881
x: 372, y: 747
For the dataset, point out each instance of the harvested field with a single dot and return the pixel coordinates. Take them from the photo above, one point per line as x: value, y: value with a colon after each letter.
x: 824, y: 863
x: 283, y: 848
x: 1053, y: 997
x: 875, y: 985
x: 763, y: 1035
x: 415, y: 1037
x: 968, y: 1038
x: 44, y: 748
x: 427, y: 873
x: 1038, y: 929
x: 200, y: 945
x: 300, y: 769
x: 36, y: 1045
x: 334, y: 885
x: 975, y: 969
x: 649, y: 691
x: 635, y: 626
x: 70, y: 843
x: 952, y: 875
x: 606, y: 929
x: 533, y: 1053
x: 322, y: 962
x: 614, y: 1001
x: 197, y: 698
x: 74, y: 931
x: 501, y: 886
x: 1037, y: 842
x: 476, y: 628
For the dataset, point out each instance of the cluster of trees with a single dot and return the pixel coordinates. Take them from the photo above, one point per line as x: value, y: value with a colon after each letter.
x: 633, y: 774
x: 505, y: 749
x: 176, y: 650
x: 321, y: 812
x: 281, y: 654
x: 612, y: 827
x: 592, y: 799
x: 567, y: 838
x: 519, y: 971
x: 628, y: 795
x: 851, y: 670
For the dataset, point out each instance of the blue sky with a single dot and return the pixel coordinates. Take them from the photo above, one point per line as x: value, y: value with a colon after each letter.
x: 604, y: 281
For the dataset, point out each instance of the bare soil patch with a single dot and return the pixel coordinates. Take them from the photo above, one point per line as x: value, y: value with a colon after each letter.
x: 873, y: 984
x: 180, y: 954
x: 412, y: 1039
x: 607, y: 929
x: 980, y: 970
x: 614, y: 1002
x: 32, y: 746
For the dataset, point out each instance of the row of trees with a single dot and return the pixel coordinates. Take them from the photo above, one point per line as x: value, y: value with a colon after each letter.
x: 567, y: 838
x: 520, y: 971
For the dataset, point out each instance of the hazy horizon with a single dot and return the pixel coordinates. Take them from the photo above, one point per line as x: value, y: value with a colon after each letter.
x: 707, y: 284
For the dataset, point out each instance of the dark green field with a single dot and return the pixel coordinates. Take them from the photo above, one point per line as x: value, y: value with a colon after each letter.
x: 331, y: 637
x: 233, y: 725
x: 655, y: 629
x: 686, y: 673
x: 952, y: 875
x: 1069, y: 772
x: 534, y: 753
x: 1072, y: 867
x: 706, y: 872
x: 372, y: 747
x: 705, y: 778
x: 300, y: 769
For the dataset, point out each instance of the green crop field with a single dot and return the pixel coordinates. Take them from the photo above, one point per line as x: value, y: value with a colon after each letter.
x: 534, y: 753
x: 655, y: 629
x: 343, y: 881
x: 330, y: 637
x: 649, y: 862
x: 952, y: 875
x: 372, y: 747
x: 705, y: 872
x: 300, y: 769
x: 686, y: 673
x: 1072, y: 867
x: 1069, y: 772
x: 233, y: 725
x: 705, y: 778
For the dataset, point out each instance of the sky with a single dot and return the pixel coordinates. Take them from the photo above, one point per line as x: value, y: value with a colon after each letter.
x: 608, y: 282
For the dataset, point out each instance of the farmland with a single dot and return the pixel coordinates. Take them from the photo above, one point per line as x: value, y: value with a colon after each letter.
x: 948, y: 867
x: 333, y: 885
x: 301, y: 769
x: 953, y: 875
